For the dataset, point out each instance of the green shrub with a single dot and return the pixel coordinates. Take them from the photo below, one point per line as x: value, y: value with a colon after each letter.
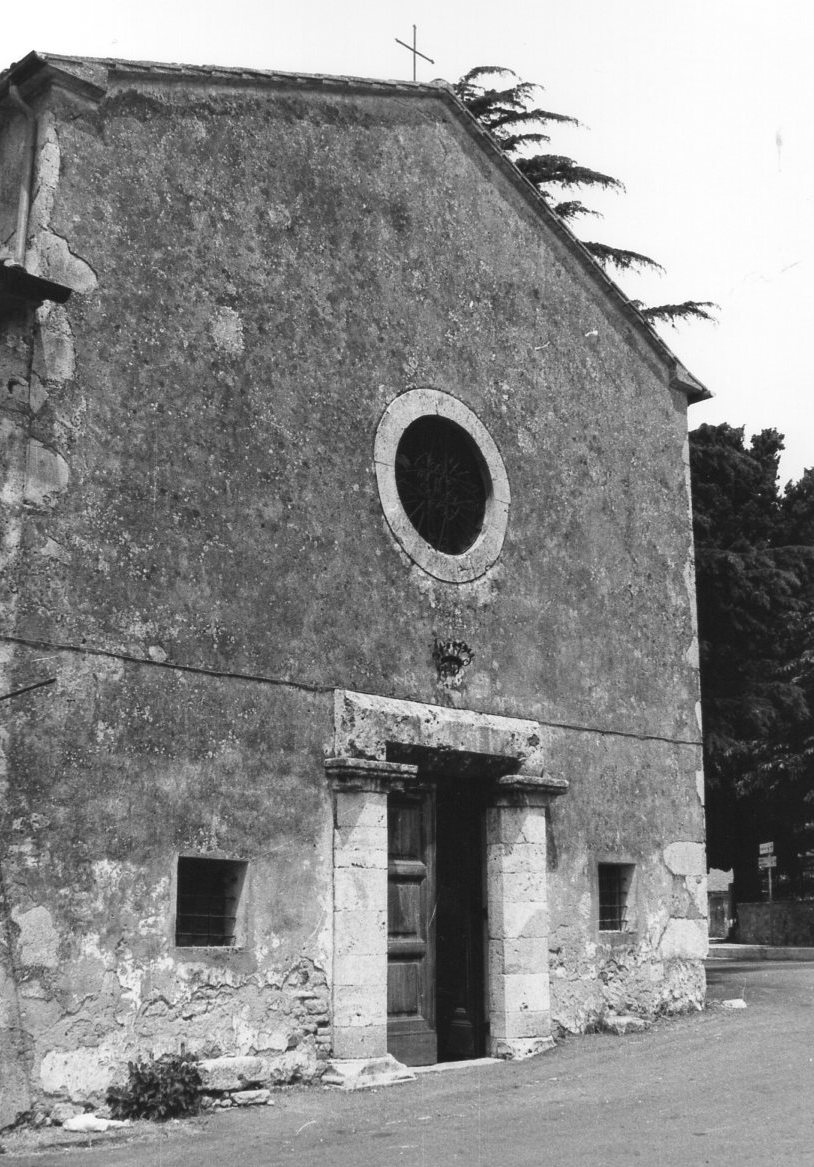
x: 159, y: 1088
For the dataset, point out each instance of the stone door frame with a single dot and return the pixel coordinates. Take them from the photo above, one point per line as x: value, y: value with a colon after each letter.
x: 361, y: 776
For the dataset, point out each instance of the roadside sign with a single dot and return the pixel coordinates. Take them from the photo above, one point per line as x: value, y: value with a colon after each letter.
x: 767, y: 861
x: 765, y: 848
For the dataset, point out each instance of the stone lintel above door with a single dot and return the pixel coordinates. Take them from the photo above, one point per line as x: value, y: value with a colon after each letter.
x: 367, y: 726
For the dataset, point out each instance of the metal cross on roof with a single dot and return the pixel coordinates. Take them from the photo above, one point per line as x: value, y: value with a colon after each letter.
x: 412, y: 49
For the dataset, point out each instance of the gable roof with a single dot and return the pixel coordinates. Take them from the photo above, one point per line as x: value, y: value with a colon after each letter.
x: 90, y: 76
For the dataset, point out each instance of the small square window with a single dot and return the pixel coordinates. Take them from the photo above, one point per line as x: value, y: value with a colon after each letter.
x: 208, y: 901
x: 614, y: 890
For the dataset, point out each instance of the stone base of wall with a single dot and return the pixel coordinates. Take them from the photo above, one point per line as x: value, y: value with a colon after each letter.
x: 626, y: 981
x: 230, y: 1075
x: 282, y: 1025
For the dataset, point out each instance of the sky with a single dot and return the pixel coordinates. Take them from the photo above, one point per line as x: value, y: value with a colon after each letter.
x: 704, y: 109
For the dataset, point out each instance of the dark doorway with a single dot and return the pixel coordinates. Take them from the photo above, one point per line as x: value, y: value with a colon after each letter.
x: 436, y: 919
x: 460, y: 919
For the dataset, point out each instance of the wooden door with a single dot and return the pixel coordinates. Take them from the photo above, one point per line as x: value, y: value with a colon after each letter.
x: 411, y: 1036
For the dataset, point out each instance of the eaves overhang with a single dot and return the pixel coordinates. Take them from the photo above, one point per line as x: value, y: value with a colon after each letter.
x: 37, y: 70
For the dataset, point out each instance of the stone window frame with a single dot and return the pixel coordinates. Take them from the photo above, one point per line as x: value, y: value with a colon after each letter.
x: 484, y: 552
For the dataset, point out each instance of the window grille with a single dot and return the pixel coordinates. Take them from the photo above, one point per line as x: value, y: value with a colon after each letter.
x: 441, y: 483
x: 614, y: 886
x: 208, y: 898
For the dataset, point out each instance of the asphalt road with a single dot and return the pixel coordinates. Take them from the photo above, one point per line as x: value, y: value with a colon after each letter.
x: 722, y: 1088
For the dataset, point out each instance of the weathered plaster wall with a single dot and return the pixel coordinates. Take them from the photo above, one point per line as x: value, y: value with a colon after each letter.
x: 273, y: 270
x: 629, y: 802
x: 145, y: 764
x: 256, y: 275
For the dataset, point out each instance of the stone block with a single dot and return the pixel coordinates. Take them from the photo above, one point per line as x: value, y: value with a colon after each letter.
x: 360, y: 837
x: 700, y: 786
x: 353, y: 969
x: 528, y: 954
x: 232, y: 1073
x: 62, y: 1111
x: 505, y: 823
x: 508, y: 921
x: 47, y: 473
x: 622, y: 1023
x: 251, y: 1097
x: 688, y: 939
x: 495, y: 960
x: 38, y: 939
x: 360, y: 1041
x: 535, y: 829
x: 697, y: 891
x: 501, y: 857
x: 360, y: 888
x: 515, y: 887
x: 360, y: 933
x: 513, y: 825
x: 686, y: 858
x: 519, y: 1049
x: 524, y: 1025
x: 361, y: 810
x: 518, y: 992
x: 360, y: 847
x: 365, y: 1073
x: 360, y: 1004
x: 299, y: 1064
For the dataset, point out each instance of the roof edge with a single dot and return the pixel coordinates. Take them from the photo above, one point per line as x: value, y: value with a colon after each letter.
x: 36, y: 71
x: 46, y: 66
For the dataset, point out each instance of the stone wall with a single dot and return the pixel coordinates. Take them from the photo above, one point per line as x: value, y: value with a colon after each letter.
x: 785, y: 923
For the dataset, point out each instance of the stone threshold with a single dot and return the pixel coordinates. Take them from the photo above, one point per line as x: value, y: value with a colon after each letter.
x: 370, y: 1073
x: 466, y: 1064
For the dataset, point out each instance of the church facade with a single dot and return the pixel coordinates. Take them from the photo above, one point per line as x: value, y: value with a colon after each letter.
x: 350, y: 683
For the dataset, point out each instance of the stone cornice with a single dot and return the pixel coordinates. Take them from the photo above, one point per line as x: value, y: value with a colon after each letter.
x: 367, y: 773
x: 539, y: 783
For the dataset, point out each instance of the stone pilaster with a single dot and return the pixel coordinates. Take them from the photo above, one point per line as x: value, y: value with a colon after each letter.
x: 520, y: 1020
x: 359, y: 982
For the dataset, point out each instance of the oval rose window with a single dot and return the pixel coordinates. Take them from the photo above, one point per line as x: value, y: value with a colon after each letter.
x: 442, y: 484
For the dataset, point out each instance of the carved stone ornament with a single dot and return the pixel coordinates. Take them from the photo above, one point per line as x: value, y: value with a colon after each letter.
x: 451, y: 657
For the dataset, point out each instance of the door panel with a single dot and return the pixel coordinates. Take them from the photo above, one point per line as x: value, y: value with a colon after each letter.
x: 411, y: 1036
x: 402, y: 986
x: 404, y: 899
